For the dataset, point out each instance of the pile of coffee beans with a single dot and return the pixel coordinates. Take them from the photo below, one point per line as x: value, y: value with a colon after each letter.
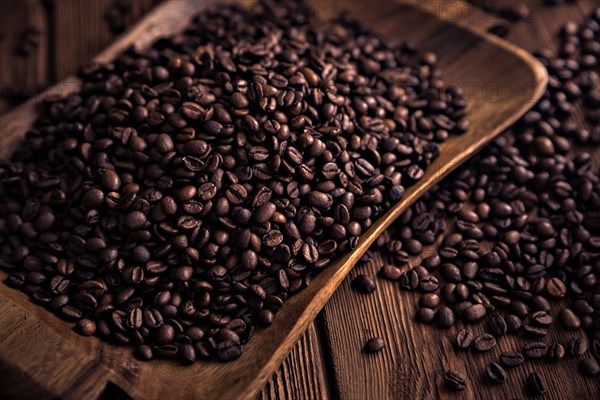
x: 187, y: 190
x: 517, y: 229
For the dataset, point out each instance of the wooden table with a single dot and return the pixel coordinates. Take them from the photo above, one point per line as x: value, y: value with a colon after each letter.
x: 328, y: 363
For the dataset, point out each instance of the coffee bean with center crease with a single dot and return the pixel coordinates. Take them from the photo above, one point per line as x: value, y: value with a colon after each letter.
x: 536, y: 384
x: 577, y: 346
x: 464, y: 339
x: 511, y: 359
x: 495, y: 372
x: 556, y: 352
x: 484, y: 342
x: 535, y: 350
x: 455, y: 380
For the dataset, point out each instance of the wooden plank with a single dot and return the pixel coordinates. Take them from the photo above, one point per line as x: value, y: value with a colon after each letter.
x: 416, y: 355
x: 82, y: 30
x: 302, y: 374
x: 21, y: 73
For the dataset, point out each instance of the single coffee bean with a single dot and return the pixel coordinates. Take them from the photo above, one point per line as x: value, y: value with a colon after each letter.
x: 535, y: 350
x: 374, y: 345
x: 513, y: 323
x: 495, y: 372
x: 497, y: 326
x: 363, y: 284
x: 390, y: 272
x: 556, y: 288
x: 577, y: 346
x: 144, y: 352
x: 568, y: 319
x: 511, y: 359
x: 541, y: 318
x: 464, y: 339
x: 445, y: 317
x: 589, y: 367
x: 536, y: 384
x: 475, y: 313
x: 556, y: 352
x: 229, y: 350
x: 425, y: 315
x: 86, y: 327
x: 484, y: 342
x: 430, y: 300
x: 455, y: 380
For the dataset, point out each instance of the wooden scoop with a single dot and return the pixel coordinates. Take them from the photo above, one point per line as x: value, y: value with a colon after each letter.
x: 40, y: 355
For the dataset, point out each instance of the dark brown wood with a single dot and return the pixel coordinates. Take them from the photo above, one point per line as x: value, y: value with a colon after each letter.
x: 21, y: 73
x: 82, y: 30
x: 92, y: 364
x: 416, y: 355
x: 302, y: 374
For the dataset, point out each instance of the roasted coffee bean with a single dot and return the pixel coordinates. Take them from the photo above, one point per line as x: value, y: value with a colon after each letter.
x: 556, y: 352
x: 577, y: 346
x: 374, y: 345
x: 535, y: 350
x: 568, y: 319
x: 390, y: 272
x: 511, y: 359
x: 556, y: 288
x: 445, y: 317
x: 144, y: 352
x: 86, y: 327
x: 475, y: 313
x: 363, y: 284
x: 464, y: 339
x: 484, y: 342
x: 430, y: 300
x: 455, y: 380
x: 229, y: 350
x: 589, y: 367
x: 536, y: 384
x: 497, y: 325
x: 513, y: 323
x: 425, y: 315
x: 495, y: 372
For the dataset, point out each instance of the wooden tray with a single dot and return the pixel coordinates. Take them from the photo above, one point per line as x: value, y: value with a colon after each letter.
x: 40, y: 355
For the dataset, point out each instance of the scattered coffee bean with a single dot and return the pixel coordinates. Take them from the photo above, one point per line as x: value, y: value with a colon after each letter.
x: 86, y: 327
x: 455, y: 380
x: 363, y: 284
x: 535, y: 350
x: 511, y: 359
x: 445, y: 317
x: 464, y: 339
x: 536, y: 384
x: 495, y: 372
x: 484, y: 342
x: 556, y: 352
x: 589, y: 367
x: 568, y: 319
x: 577, y: 346
x: 374, y: 345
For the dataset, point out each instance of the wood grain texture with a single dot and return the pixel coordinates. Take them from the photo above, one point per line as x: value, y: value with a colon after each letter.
x: 416, y: 355
x: 20, y: 73
x: 470, y: 57
x: 302, y: 374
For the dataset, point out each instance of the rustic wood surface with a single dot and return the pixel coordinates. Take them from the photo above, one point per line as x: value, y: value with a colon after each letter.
x: 327, y: 362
